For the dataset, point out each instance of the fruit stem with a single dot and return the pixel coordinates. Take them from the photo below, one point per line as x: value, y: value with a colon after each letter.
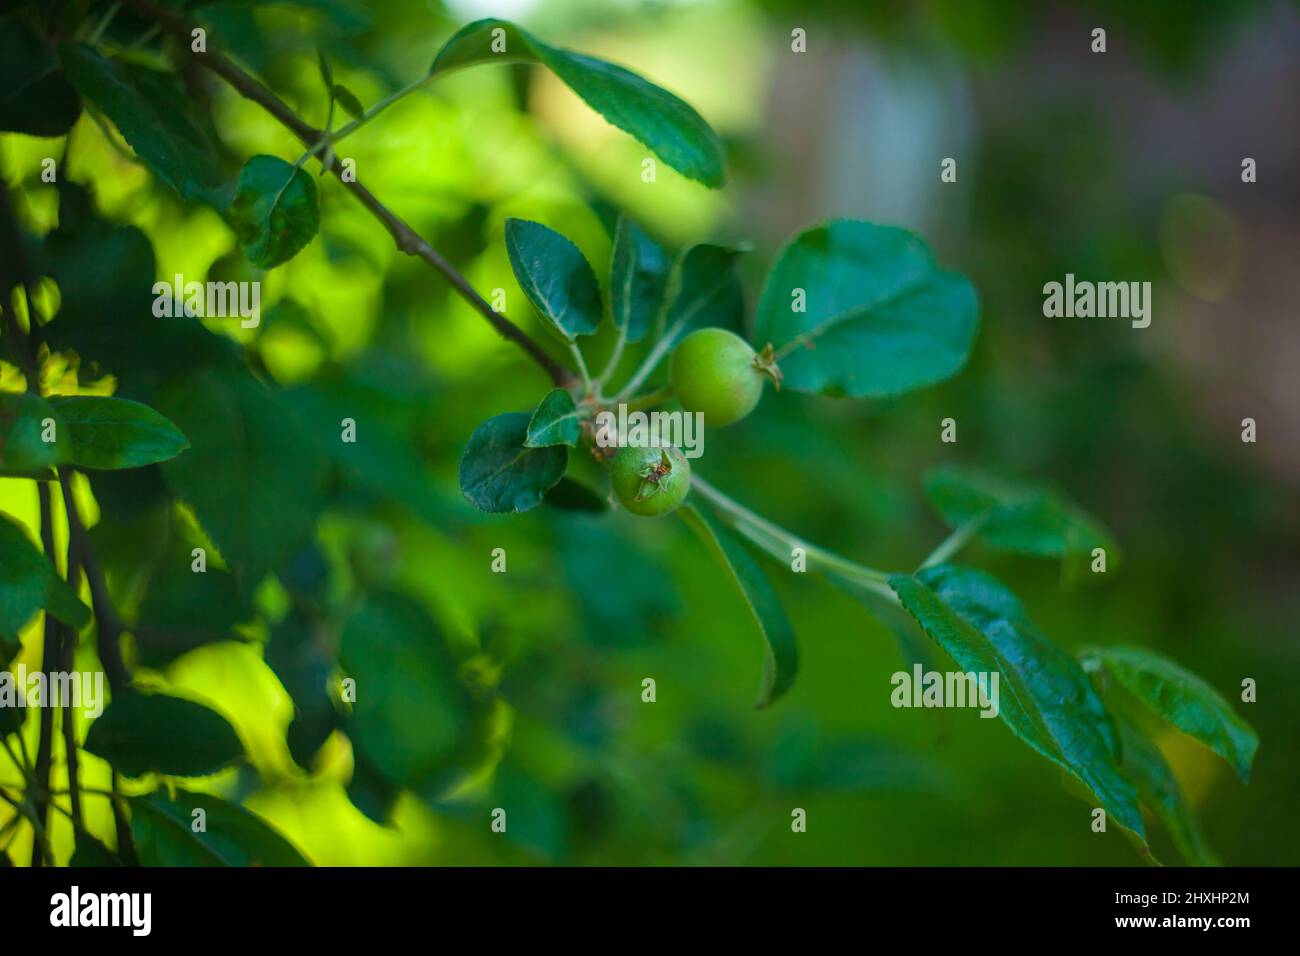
x: 662, y: 347
x: 780, y: 543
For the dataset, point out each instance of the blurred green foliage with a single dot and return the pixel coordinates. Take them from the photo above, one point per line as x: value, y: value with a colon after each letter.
x: 545, y: 662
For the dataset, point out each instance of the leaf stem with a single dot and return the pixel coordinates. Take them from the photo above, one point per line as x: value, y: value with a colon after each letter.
x: 781, y: 543
x: 954, y: 542
x: 587, y: 387
x: 347, y: 129
x: 614, y: 358
x: 647, y: 366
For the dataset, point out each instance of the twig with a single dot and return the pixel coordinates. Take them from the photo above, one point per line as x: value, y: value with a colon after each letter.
x: 407, y: 239
x: 68, y: 661
x: 108, y: 625
x: 50, y: 655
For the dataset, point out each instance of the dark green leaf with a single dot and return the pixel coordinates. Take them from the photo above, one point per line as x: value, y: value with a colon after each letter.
x: 1185, y: 700
x: 90, y: 852
x: 275, y: 213
x: 572, y: 495
x: 411, y: 714
x: 164, y: 831
x: 251, y: 474
x: 638, y: 279
x: 142, y: 733
x: 326, y: 74
x: 880, y: 317
x: 556, y: 278
x: 35, y: 97
x: 184, y: 609
x: 109, y: 433
x: 11, y: 718
x: 534, y: 816
x: 385, y: 459
x: 703, y: 290
x: 671, y: 128
x: 498, y: 473
x: 846, y: 764
x: 368, y: 791
x: 781, y: 662
x: 1156, y: 784
x: 23, y: 427
x: 348, y: 100
x: 298, y: 657
x: 555, y: 422
x: 28, y: 584
x: 1044, y: 695
x: 1029, y: 518
x: 151, y: 111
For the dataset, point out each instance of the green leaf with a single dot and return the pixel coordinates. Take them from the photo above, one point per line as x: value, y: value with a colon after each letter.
x: 411, y: 714
x: 555, y: 422
x: 23, y: 425
x: 1028, y: 518
x: 1147, y: 769
x: 1044, y: 695
x: 1185, y: 700
x: 801, y: 760
x: 90, y: 852
x: 638, y: 279
x: 348, y: 100
x: 781, y: 663
x: 251, y: 474
x: 386, y: 459
x: 109, y: 433
x: 275, y: 213
x: 183, y: 610
x: 326, y: 74
x: 11, y: 718
x: 703, y: 290
x: 655, y: 117
x: 569, y: 494
x: 152, y: 113
x: 556, y: 278
x: 368, y: 790
x: 162, y: 828
x: 28, y: 584
x: 880, y: 318
x: 141, y: 733
x: 500, y: 474
x: 298, y: 657
x: 35, y: 97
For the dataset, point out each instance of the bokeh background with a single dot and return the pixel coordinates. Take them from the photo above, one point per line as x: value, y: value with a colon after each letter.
x: 1117, y: 166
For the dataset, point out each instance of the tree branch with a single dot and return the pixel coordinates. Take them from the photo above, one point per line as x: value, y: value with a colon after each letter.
x: 407, y: 239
